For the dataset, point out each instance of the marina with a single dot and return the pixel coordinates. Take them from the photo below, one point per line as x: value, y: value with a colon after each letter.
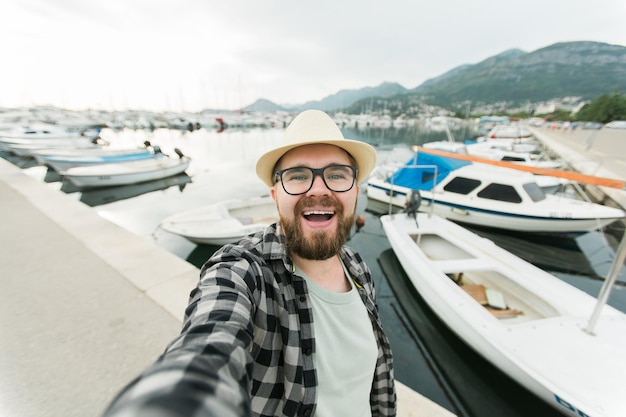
x: 429, y: 358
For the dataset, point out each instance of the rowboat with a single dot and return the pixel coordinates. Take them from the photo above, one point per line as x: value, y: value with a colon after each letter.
x: 487, y: 195
x: 554, y: 339
x: 223, y: 222
x: 129, y: 172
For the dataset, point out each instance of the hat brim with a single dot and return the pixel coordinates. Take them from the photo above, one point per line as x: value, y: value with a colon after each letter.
x: 363, y: 153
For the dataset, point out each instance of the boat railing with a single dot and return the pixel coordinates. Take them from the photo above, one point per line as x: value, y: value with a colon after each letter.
x: 579, y: 193
x: 605, y: 291
x: 390, y: 178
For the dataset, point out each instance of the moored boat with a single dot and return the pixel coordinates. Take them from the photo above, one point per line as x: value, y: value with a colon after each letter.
x: 497, y: 152
x: 26, y: 147
x: 223, y: 222
x: 129, y: 172
x: 487, y: 195
x: 63, y: 163
x: 39, y: 131
x: 41, y: 153
x: 536, y: 328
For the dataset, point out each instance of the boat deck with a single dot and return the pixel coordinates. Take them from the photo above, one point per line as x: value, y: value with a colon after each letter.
x: 479, y: 276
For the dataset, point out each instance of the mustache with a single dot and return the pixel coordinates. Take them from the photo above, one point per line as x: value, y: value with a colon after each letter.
x: 326, y: 201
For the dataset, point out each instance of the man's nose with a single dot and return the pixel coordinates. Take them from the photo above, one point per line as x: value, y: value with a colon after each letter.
x: 319, y: 186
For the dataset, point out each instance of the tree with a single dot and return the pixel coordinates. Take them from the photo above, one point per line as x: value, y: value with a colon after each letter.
x: 604, y: 109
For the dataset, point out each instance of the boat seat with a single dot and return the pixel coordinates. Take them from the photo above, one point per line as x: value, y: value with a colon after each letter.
x: 450, y: 266
x: 256, y: 220
x: 479, y: 293
x: 268, y: 220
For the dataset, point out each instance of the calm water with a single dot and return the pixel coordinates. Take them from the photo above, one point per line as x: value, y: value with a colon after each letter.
x: 429, y: 358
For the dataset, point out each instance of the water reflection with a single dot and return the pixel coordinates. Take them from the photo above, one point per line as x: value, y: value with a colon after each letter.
x: 417, y: 134
x: 100, y: 196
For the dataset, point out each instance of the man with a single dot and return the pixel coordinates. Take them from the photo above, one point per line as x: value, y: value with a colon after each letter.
x: 284, y: 322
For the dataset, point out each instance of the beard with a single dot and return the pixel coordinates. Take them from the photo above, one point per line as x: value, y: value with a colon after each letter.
x: 321, y: 244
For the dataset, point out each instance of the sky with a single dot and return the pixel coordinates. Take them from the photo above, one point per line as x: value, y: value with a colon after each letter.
x: 189, y: 55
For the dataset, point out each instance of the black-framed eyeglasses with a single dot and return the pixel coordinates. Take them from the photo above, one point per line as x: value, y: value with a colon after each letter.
x: 299, y: 180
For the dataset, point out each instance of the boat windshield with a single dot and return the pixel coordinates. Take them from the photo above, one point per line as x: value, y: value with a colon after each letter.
x: 513, y: 158
x: 535, y: 192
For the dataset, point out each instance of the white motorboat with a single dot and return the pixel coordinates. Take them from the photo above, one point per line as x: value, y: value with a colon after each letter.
x: 497, y: 151
x: 511, y: 131
x: 551, y: 337
x: 539, y: 330
x: 26, y: 147
x: 223, y: 222
x: 130, y: 172
x: 512, y: 136
x: 487, y: 195
x: 40, y: 131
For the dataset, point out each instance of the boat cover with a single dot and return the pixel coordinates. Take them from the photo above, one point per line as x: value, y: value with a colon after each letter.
x: 418, y: 173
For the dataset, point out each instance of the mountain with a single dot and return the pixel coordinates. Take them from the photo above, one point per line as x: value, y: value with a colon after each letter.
x: 342, y: 99
x: 569, y: 69
x: 263, y: 105
x: 583, y: 69
x: 346, y: 98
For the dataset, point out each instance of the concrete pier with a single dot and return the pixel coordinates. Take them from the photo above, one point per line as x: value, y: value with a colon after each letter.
x: 600, y: 153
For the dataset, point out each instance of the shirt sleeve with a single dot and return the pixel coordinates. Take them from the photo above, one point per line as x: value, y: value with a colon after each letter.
x: 206, y: 370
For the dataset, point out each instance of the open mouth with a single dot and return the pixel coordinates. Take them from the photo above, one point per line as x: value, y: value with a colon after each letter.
x: 318, y: 215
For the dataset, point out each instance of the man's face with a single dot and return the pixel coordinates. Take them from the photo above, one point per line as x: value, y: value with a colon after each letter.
x: 318, y: 222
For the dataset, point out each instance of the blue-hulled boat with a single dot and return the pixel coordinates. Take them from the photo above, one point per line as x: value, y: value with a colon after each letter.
x: 62, y: 163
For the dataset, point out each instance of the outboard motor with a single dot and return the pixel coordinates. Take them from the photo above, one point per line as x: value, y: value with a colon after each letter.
x: 413, y: 202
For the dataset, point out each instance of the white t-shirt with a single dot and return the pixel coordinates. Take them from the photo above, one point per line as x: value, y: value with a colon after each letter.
x: 346, y: 351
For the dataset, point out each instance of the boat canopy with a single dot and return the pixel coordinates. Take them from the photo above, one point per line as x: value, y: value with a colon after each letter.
x: 419, y: 172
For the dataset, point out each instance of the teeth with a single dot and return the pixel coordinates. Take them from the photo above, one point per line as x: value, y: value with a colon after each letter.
x: 309, y: 213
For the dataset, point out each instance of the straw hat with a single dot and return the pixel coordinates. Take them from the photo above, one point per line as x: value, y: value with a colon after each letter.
x: 315, y: 127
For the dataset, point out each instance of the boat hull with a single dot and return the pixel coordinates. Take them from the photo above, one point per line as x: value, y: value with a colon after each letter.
x: 63, y: 163
x: 106, y: 175
x: 28, y: 149
x: 223, y: 222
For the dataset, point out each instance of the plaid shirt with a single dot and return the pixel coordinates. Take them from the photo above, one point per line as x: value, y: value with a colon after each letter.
x: 248, y: 340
